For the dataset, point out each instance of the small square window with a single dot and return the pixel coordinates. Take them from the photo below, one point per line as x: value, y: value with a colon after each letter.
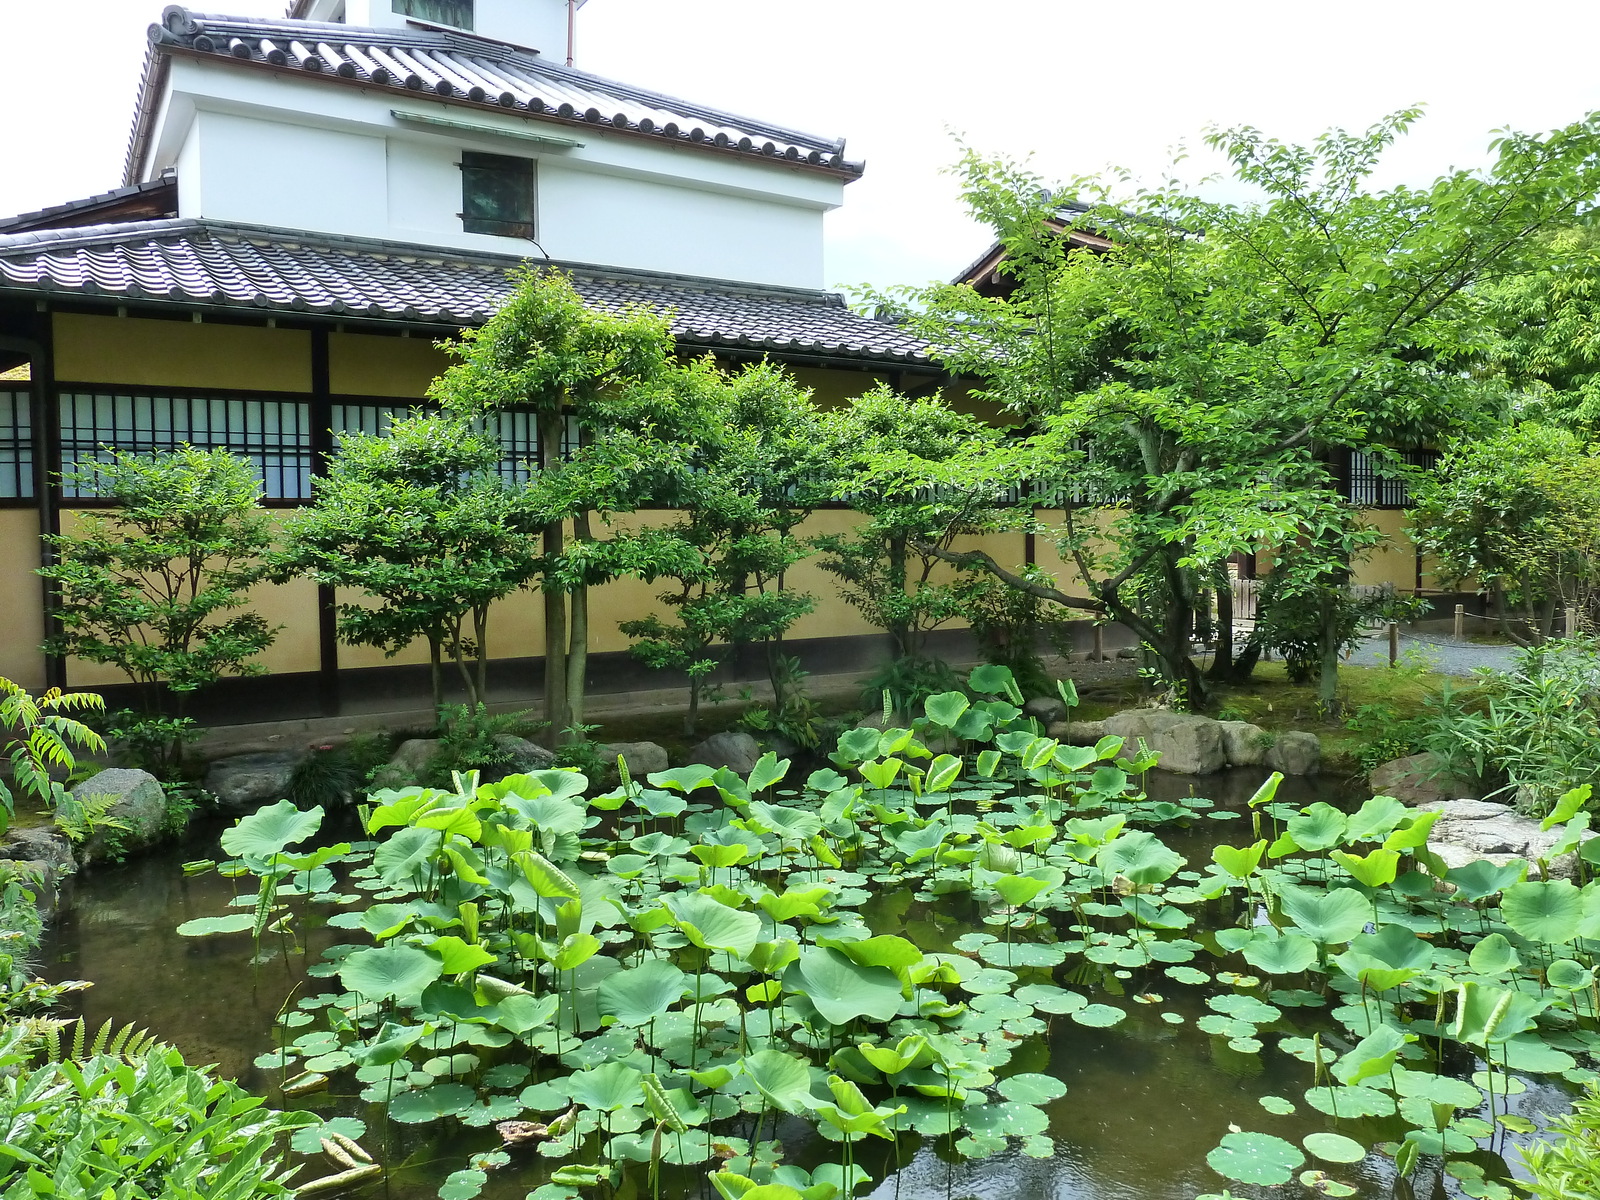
x: 498, y: 195
x: 438, y: 12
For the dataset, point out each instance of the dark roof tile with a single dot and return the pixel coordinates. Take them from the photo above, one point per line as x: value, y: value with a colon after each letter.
x: 197, y: 262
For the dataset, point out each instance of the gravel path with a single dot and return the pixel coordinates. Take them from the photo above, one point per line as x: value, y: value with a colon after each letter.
x: 1446, y: 655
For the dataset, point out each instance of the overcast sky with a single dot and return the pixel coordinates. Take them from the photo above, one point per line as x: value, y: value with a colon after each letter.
x: 1077, y: 86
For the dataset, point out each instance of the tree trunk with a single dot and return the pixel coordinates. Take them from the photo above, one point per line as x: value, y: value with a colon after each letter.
x: 1222, y: 660
x: 480, y: 632
x: 577, y: 660
x: 436, y: 672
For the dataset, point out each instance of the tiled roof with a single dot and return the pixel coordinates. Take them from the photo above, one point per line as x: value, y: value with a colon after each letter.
x: 208, y: 264
x: 157, y: 197
x: 468, y: 70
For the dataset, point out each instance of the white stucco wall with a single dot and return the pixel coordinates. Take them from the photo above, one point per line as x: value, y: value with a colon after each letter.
x: 269, y: 149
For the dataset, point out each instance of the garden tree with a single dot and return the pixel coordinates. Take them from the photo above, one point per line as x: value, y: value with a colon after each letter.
x: 157, y: 584
x: 1200, y: 375
x: 1519, y: 512
x: 421, y: 525
x: 581, y: 370
x: 756, y: 463
x: 923, y: 476
x: 1546, y: 333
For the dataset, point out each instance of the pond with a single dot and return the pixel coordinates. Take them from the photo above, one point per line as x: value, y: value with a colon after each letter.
x: 1146, y: 1098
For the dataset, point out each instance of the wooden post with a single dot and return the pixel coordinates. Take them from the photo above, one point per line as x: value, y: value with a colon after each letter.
x: 1099, y: 654
x: 1394, y: 644
x: 1572, y: 621
x: 1461, y: 621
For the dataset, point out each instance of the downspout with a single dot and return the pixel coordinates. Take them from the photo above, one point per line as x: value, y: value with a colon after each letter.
x: 572, y: 30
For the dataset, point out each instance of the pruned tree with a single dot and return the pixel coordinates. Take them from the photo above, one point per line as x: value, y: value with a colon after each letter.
x: 584, y: 373
x: 157, y: 584
x: 419, y: 525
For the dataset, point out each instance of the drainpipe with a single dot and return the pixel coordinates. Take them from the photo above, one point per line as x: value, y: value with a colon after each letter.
x: 572, y: 29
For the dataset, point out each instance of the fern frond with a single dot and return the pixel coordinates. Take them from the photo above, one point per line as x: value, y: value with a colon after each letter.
x: 52, y: 1043
x: 78, y: 1031
x: 98, y: 1046
x: 122, y: 1036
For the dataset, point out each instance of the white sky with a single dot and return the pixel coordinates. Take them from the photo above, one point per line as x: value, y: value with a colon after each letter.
x: 1078, y: 86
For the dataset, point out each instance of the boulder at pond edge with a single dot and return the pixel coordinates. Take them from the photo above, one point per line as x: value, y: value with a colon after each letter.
x: 737, y: 751
x: 140, y: 805
x: 643, y: 758
x: 1295, y: 753
x: 1187, y: 744
x: 1419, y: 780
x: 1245, y: 744
x: 245, y: 782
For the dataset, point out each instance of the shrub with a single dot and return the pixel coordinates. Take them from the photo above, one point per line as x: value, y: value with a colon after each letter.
x: 1535, y: 736
x: 1569, y: 1167
x: 38, y: 736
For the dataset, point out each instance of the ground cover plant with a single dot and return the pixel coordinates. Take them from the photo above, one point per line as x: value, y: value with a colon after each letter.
x: 684, y: 976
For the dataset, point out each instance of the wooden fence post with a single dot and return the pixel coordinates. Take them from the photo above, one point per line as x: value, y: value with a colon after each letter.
x: 1461, y: 621
x: 1394, y: 644
x: 1099, y: 644
x: 1572, y: 621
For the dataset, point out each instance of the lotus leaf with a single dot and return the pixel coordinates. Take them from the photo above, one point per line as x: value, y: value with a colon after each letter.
x: 1257, y: 1158
x: 1480, y: 880
x: 842, y: 990
x: 1333, y: 1147
x: 1327, y: 917
x: 1141, y: 857
x: 1284, y: 954
x: 606, y: 1088
x: 1494, y: 955
x: 638, y: 996
x: 390, y: 972
x: 431, y: 1104
x: 1548, y: 911
x: 268, y: 831
x: 712, y: 925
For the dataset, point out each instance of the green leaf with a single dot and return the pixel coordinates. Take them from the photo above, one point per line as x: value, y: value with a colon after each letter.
x: 1333, y: 1147
x: 1494, y: 955
x: 712, y: 925
x: 1257, y: 1158
x: 782, y: 1079
x: 1375, y: 869
x: 1327, y: 917
x: 268, y: 831
x: 204, y: 926
x: 1240, y: 863
x: 946, y: 708
x: 390, y: 972
x: 607, y: 1088
x: 638, y: 996
x: 1141, y: 857
x: 458, y: 956
x: 1548, y: 911
x: 1284, y: 954
x: 842, y: 990
x: 431, y: 1104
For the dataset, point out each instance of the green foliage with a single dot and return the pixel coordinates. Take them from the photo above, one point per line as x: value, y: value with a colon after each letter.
x: 1188, y: 362
x: 794, y: 715
x: 1010, y: 625
x: 581, y: 370
x: 1567, y: 1167
x: 1529, y: 732
x: 155, y: 743
x: 906, y: 465
x: 729, y: 552
x: 469, y: 740
x: 133, y: 1124
x: 419, y: 523
x: 331, y: 775
x: 1519, y: 513
x: 153, y: 586
x: 39, y: 739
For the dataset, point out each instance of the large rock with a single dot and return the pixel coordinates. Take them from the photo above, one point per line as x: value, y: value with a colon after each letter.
x: 643, y: 758
x: 247, y: 781
x: 1470, y: 830
x: 414, y: 754
x: 43, y: 852
x: 1419, y: 780
x: 525, y: 756
x: 1244, y: 744
x: 1295, y: 753
x: 1078, y: 733
x: 1187, y: 744
x: 737, y: 751
x: 140, y: 805
x: 1045, y: 709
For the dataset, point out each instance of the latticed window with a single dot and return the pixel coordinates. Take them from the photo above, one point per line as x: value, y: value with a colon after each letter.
x: 517, y: 432
x: 16, y: 445
x: 498, y: 195
x: 1373, y: 483
x: 274, y: 435
x: 439, y: 12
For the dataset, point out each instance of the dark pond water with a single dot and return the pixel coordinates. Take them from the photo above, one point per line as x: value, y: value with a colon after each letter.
x: 1145, y: 1100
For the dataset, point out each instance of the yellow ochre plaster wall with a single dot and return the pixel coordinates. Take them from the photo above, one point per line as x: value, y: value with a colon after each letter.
x: 21, y: 660
x: 361, y: 364
x: 136, y: 352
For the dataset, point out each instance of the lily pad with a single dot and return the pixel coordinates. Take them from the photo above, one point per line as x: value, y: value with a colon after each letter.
x: 1256, y: 1158
x: 1334, y: 1147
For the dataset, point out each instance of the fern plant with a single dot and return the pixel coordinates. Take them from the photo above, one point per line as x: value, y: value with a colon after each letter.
x: 39, y: 736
